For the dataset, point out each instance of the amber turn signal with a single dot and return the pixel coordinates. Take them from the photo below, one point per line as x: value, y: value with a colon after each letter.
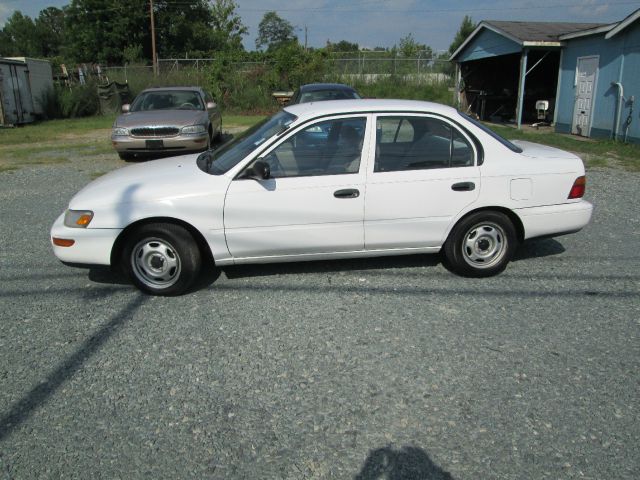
x: 84, y: 220
x: 62, y: 242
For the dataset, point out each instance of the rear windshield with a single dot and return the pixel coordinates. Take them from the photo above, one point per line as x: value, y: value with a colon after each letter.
x: 488, y: 131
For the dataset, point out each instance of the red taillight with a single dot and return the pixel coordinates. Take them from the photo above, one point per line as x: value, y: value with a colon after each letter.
x: 577, y: 191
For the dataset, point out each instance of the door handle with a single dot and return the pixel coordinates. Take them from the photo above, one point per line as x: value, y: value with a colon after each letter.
x: 347, y: 193
x: 463, y: 186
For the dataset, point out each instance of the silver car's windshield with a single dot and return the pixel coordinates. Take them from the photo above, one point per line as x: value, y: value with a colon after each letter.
x: 167, y: 100
x: 228, y: 156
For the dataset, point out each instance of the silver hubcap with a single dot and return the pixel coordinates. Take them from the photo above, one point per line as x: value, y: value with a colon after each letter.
x: 155, y: 263
x: 484, y: 245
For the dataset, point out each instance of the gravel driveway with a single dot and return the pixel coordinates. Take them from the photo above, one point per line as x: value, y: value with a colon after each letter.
x: 388, y: 368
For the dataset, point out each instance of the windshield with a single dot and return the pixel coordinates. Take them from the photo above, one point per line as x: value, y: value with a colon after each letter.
x: 488, y: 131
x: 167, y: 100
x: 228, y: 156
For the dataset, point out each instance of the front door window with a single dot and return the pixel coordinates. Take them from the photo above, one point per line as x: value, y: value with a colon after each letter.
x: 332, y: 147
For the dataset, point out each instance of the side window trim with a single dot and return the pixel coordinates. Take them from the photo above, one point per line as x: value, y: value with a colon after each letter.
x: 453, y: 127
x: 308, y: 124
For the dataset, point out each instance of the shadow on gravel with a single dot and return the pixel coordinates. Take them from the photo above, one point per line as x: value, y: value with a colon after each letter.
x: 39, y: 395
x: 407, y: 463
x: 332, y: 266
x: 538, y: 249
x: 108, y: 276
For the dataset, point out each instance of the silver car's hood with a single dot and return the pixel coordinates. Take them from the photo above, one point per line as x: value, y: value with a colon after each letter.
x: 178, y: 118
x: 156, y: 181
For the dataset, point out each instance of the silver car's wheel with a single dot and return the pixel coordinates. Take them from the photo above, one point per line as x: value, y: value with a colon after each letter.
x: 161, y: 259
x: 155, y: 263
x: 481, y: 244
x: 484, y: 245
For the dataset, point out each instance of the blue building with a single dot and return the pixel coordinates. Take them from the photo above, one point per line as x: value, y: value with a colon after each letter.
x: 583, y: 77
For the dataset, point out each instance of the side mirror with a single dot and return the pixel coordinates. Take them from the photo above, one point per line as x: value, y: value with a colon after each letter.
x: 125, y: 108
x: 260, y: 170
x: 211, y: 105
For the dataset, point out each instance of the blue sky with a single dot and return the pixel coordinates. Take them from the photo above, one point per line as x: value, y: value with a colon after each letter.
x: 374, y: 23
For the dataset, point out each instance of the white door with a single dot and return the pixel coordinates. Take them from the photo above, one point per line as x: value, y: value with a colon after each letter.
x: 586, y: 76
x: 314, y: 201
x: 423, y: 175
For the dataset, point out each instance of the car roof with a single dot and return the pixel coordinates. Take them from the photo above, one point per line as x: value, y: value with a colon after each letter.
x: 164, y: 89
x: 305, y: 111
x: 312, y: 87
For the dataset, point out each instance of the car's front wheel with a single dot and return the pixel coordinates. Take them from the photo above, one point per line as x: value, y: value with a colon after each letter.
x: 161, y: 259
x: 481, y: 244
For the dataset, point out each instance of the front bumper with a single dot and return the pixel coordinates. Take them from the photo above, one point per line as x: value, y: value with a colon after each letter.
x: 177, y: 143
x: 92, y: 246
x: 554, y: 220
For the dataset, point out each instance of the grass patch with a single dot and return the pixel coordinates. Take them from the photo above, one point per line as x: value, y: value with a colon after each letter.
x: 239, y: 121
x: 53, y: 130
x: 16, y: 156
x: 94, y: 175
x: 595, y: 153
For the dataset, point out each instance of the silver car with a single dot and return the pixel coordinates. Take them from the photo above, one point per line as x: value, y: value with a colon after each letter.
x: 167, y: 120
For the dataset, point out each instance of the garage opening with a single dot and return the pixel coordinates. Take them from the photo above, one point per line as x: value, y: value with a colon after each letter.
x: 490, y: 86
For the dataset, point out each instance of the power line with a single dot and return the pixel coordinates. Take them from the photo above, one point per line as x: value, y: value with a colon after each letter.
x: 352, y: 8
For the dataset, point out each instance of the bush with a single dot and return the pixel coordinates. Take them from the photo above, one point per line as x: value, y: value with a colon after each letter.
x: 403, y: 88
x: 71, y: 102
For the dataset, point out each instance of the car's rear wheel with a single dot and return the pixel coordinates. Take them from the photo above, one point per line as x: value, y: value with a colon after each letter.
x: 481, y: 244
x: 161, y: 259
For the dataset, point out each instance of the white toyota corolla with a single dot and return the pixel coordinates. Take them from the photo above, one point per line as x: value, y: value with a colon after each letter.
x: 338, y: 179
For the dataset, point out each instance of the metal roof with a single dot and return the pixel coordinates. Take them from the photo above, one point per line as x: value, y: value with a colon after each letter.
x: 539, y: 31
x: 529, y: 34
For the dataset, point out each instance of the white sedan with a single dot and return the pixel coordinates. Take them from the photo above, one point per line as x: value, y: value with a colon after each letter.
x: 328, y: 180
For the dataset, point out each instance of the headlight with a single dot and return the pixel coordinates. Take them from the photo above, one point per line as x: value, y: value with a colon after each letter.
x: 119, y: 132
x: 192, y: 129
x: 78, y: 218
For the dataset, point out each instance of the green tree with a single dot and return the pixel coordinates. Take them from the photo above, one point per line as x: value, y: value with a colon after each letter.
x: 228, y: 28
x: 20, y: 37
x: 274, y: 31
x: 183, y: 29
x: 99, y: 32
x: 410, y: 48
x: 466, y: 27
x: 342, y: 46
x: 50, y: 29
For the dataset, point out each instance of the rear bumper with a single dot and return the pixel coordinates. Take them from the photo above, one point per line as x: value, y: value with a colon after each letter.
x: 92, y: 246
x: 555, y: 220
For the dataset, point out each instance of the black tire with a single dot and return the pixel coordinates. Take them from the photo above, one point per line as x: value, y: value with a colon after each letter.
x: 161, y: 259
x: 126, y: 156
x: 218, y: 137
x: 481, y: 245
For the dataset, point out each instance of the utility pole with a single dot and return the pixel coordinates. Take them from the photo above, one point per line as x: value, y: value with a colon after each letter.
x: 305, y: 38
x: 154, y: 57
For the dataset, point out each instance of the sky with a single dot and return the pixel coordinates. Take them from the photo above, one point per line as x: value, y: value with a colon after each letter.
x: 372, y: 23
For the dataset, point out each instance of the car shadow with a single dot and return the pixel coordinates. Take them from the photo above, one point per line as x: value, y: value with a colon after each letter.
x: 210, y: 273
x: 538, y: 248
x: 114, y: 276
x: 406, y: 463
x: 331, y: 266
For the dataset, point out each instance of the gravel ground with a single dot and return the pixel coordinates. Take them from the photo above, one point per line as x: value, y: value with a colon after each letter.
x: 388, y: 368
